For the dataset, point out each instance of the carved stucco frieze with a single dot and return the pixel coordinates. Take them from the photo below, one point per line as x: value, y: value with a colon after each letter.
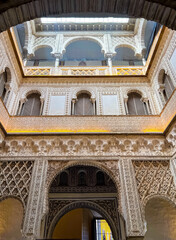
x: 66, y: 146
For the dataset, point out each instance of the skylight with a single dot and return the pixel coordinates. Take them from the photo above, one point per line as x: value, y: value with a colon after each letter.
x: 85, y: 20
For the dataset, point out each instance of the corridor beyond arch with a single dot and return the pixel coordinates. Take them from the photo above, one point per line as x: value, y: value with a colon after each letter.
x: 13, y: 13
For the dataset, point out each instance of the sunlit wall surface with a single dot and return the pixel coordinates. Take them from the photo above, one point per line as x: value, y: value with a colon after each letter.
x: 103, y: 231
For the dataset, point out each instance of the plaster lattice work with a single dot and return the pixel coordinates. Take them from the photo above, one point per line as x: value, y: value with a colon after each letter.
x: 154, y: 179
x: 65, y: 146
x: 15, y: 179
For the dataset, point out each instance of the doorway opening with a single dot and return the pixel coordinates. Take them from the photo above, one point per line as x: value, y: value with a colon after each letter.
x: 82, y: 224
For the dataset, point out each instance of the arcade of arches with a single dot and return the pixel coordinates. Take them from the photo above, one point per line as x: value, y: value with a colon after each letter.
x: 88, y: 120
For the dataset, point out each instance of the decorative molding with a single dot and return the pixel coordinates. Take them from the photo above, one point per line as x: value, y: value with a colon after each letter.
x: 73, y: 146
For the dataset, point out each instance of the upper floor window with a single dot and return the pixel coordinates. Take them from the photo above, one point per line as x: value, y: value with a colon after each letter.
x: 3, y: 81
x: 168, y: 86
x: 84, y: 105
x: 32, y: 106
x: 63, y: 179
x: 135, y: 105
x: 100, y: 178
x: 82, y: 178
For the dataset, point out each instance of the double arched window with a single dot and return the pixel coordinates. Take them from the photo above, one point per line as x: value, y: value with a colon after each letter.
x: 135, y: 105
x: 83, y: 105
x: 4, y: 90
x: 166, y: 86
x: 32, y: 105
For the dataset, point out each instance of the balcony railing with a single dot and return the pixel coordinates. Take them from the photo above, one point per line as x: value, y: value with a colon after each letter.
x: 84, y: 71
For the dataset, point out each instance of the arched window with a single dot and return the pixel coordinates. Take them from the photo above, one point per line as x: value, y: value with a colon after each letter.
x: 82, y: 178
x: 63, y: 179
x: 168, y: 86
x: 84, y: 105
x: 3, y: 81
x: 135, y: 105
x: 32, y: 106
x: 100, y: 178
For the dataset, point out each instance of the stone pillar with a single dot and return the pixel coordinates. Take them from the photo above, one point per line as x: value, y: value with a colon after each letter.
x: 110, y: 64
x: 73, y: 106
x: 143, y: 61
x: 35, y: 205
x: 8, y: 89
x: 23, y: 100
x: 146, y: 101
x: 24, y: 62
x: 93, y: 102
x: 42, y: 104
x: 161, y: 89
x: 130, y: 201
x: 57, y: 62
x: 126, y: 106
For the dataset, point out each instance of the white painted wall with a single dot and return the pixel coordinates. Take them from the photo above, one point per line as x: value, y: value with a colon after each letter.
x: 57, y: 105
x: 110, y: 105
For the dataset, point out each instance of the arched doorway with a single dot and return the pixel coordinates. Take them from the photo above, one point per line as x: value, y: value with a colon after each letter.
x: 160, y: 215
x: 82, y: 223
x: 88, y: 188
x: 11, y: 217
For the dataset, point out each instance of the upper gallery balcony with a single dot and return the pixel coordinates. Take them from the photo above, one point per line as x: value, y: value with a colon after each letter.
x: 86, y: 46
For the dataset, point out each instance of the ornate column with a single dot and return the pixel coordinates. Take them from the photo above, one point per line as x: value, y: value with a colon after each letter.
x: 8, y: 89
x: 42, y: 104
x: 93, y: 102
x: 126, y: 106
x: 161, y: 89
x: 73, y: 106
x: 146, y: 101
x: 109, y: 57
x: 130, y: 201
x: 35, y: 205
x: 23, y: 100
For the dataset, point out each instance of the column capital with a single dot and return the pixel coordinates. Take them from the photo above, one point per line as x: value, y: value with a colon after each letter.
x: 74, y: 100
x: 93, y: 100
x: 126, y: 99
x: 23, y: 100
x: 145, y: 100
x: 42, y: 99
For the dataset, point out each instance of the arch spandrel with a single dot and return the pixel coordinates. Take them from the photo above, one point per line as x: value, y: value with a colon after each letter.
x: 110, y: 168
